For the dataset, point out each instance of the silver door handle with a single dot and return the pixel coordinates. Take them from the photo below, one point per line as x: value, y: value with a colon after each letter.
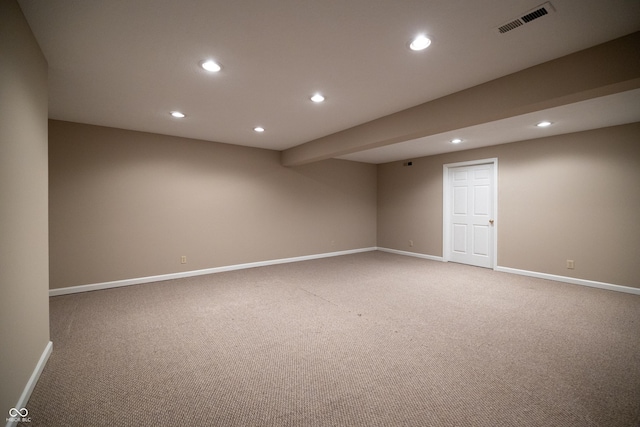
x: 491, y: 221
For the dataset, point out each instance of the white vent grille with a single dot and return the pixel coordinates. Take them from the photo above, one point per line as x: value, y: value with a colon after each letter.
x: 533, y: 14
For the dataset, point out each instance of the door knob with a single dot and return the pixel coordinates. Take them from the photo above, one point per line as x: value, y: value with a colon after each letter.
x: 491, y: 221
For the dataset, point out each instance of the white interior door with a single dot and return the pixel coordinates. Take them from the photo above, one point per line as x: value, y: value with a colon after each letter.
x: 471, y: 216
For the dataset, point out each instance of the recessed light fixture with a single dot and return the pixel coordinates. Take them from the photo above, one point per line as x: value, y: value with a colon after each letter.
x: 211, y: 66
x: 177, y: 114
x: 317, y: 98
x: 421, y: 42
x: 258, y: 129
x: 544, y: 124
x: 456, y: 141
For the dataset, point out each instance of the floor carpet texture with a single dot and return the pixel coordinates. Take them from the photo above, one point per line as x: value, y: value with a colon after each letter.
x: 369, y: 339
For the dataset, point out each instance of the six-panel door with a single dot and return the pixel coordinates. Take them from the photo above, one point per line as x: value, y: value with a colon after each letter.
x: 471, y: 213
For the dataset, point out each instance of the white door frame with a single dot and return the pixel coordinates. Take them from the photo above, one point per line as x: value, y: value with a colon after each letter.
x: 446, y: 203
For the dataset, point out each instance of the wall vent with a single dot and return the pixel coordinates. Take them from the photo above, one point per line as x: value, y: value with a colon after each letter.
x: 535, y: 13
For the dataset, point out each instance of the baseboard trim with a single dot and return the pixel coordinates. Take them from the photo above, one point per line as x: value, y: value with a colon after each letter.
x: 162, y: 277
x: 564, y: 279
x: 572, y: 280
x: 413, y: 254
x: 35, y: 375
x: 140, y: 280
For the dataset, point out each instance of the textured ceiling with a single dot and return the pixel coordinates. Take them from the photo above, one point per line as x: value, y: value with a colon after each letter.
x: 127, y: 64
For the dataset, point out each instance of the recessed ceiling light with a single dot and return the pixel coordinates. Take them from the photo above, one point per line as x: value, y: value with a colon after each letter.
x: 258, y: 129
x: 456, y: 141
x: 177, y: 114
x: 421, y: 42
x: 317, y: 98
x: 211, y: 65
x: 544, y: 124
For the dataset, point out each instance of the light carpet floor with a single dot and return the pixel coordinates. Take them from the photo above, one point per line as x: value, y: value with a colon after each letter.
x: 371, y: 339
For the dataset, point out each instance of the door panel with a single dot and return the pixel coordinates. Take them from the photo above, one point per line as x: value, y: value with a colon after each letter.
x: 460, y: 175
x: 460, y: 199
x: 480, y: 240
x: 481, y: 174
x: 460, y: 238
x: 481, y: 200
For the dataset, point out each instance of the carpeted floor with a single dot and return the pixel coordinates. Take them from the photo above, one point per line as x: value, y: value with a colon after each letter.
x: 371, y: 339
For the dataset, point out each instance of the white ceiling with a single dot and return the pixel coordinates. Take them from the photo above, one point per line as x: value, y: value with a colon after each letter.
x: 127, y: 64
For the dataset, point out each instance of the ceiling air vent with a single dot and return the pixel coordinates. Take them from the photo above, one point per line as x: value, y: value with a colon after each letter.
x: 533, y: 14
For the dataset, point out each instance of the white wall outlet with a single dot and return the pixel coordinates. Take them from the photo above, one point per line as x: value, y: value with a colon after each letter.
x: 571, y: 264
x: 183, y: 259
x: 411, y: 243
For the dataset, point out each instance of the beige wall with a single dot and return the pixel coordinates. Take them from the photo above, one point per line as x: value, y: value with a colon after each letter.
x: 127, y: 204
x: 573, y: 196
x: 24, y: 274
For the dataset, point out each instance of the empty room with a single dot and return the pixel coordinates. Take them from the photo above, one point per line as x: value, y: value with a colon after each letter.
x: 320, y: 213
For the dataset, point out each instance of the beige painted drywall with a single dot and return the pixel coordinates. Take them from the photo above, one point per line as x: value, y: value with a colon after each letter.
x: 571, y: 196
x: 612, y: 67
x: 24, y: 262
x: 127, y: 204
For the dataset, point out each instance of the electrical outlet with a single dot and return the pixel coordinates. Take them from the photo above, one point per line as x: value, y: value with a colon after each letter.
x: 183, y: 259
x: 571, y: 264
x: 411, y: 243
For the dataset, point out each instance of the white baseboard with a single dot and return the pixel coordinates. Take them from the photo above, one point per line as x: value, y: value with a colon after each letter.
x: 564, y: 279
x: 413, y: 254
x: 28, y: 389
x: 140, y: 280
x: 572, y: 280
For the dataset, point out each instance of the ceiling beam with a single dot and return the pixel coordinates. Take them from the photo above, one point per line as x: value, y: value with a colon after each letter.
x: 601, y: 70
